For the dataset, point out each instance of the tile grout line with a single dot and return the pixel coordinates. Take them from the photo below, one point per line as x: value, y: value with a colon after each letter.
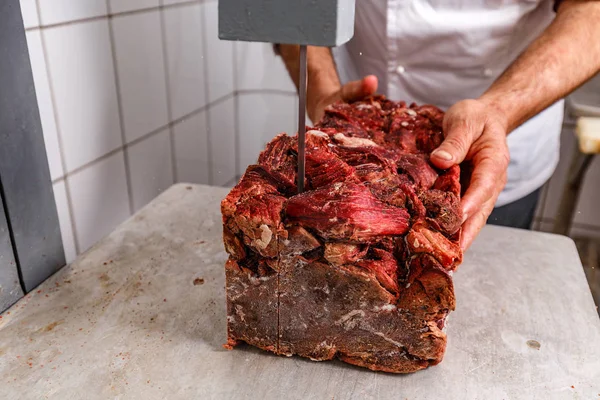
x: 267, y: 91
x: 142, y: 138
x: 58, y: 136
x: 128, y: 183
x: 163, y: 36
x: 207, y: 96
x: 110, y: 15
x: 95, y: 161
x: 67, y: 23
x: 203, y: 108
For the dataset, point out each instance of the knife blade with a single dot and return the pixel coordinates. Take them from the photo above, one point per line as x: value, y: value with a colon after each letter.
x: 302, y: 83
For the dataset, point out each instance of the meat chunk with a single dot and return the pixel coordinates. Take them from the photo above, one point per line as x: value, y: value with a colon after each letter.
x: 346, y: 211
x: 443, y: 210
x: 323, y: 167
x: 419, y: 170
x: 422, y: 239
x: 358, y: 267
x: 279, y: 158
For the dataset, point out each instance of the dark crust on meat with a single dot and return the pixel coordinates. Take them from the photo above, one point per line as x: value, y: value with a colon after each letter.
x: 359, y: 266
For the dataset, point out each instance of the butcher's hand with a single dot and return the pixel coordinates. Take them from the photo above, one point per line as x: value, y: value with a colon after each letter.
x: 324, y: 87
x: 351, y: 91
x: 475, y: 132
x: 551, y: 67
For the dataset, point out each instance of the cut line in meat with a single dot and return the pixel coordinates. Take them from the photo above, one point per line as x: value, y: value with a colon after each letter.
x: 359, y: 266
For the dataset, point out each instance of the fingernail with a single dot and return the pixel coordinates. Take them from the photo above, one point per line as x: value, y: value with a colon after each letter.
x: 443, y: 154
x: 465, y: 217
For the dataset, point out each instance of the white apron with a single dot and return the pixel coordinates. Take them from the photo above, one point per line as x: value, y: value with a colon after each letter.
x: 443, y: 51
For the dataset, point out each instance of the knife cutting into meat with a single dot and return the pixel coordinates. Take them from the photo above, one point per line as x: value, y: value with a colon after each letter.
x: 325, y: 23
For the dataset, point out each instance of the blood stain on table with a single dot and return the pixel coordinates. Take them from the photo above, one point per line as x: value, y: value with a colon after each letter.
x: 534, y: 344
x: 51, y: 326
x: 198, y: 281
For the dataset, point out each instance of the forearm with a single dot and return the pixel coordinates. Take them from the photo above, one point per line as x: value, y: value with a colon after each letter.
x: 322, y: 75
x: 556, y: 63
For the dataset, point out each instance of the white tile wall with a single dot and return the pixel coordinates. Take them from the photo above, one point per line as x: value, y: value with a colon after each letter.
x: 100, y: 199
x: 29, y: 13
x: 186, y: 64
x: 140, y: 64
x: 64, y: 218
x: 220, y: 54
x: 191, y: 148
x: 151, y: 168
x: 58, y: 11
x: 82, y: 75
x: 82, y: 97
x: 259, y: 68
x: 117, y: 6
x: 44, y: 98
x: 222, y: 141
x: 261, y: 117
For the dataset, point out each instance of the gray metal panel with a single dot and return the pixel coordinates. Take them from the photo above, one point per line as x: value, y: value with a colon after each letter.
x: 24, y: 173
x: 309, y: 22
x: 10, y: 288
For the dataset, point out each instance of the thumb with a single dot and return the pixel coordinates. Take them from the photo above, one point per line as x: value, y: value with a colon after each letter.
x: 456, y: 145
x: 357, y: 90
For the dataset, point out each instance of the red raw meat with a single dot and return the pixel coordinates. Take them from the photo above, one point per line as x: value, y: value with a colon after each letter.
x: 359, y: 266
x: 346, y: 211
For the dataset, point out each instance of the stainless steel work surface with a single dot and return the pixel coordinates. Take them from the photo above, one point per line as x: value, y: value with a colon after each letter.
x: 142, y: 316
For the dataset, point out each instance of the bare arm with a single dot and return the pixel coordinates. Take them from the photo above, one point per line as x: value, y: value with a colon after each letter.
x: 324, y: 85
x: 564, y: 56
x: 322, y: 75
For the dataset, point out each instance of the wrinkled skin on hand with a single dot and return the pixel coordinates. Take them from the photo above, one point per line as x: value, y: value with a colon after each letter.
x: 475, y: 133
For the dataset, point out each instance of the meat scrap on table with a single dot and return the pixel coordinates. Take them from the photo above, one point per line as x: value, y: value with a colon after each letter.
x: 359, y: 266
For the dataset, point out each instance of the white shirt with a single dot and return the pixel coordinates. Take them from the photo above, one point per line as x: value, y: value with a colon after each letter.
x: 443, y: 51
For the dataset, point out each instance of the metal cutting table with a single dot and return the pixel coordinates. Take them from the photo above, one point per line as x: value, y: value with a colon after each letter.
x: 141, y: 315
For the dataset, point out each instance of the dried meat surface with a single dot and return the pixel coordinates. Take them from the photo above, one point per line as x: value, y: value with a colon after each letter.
x: 359, y: 266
